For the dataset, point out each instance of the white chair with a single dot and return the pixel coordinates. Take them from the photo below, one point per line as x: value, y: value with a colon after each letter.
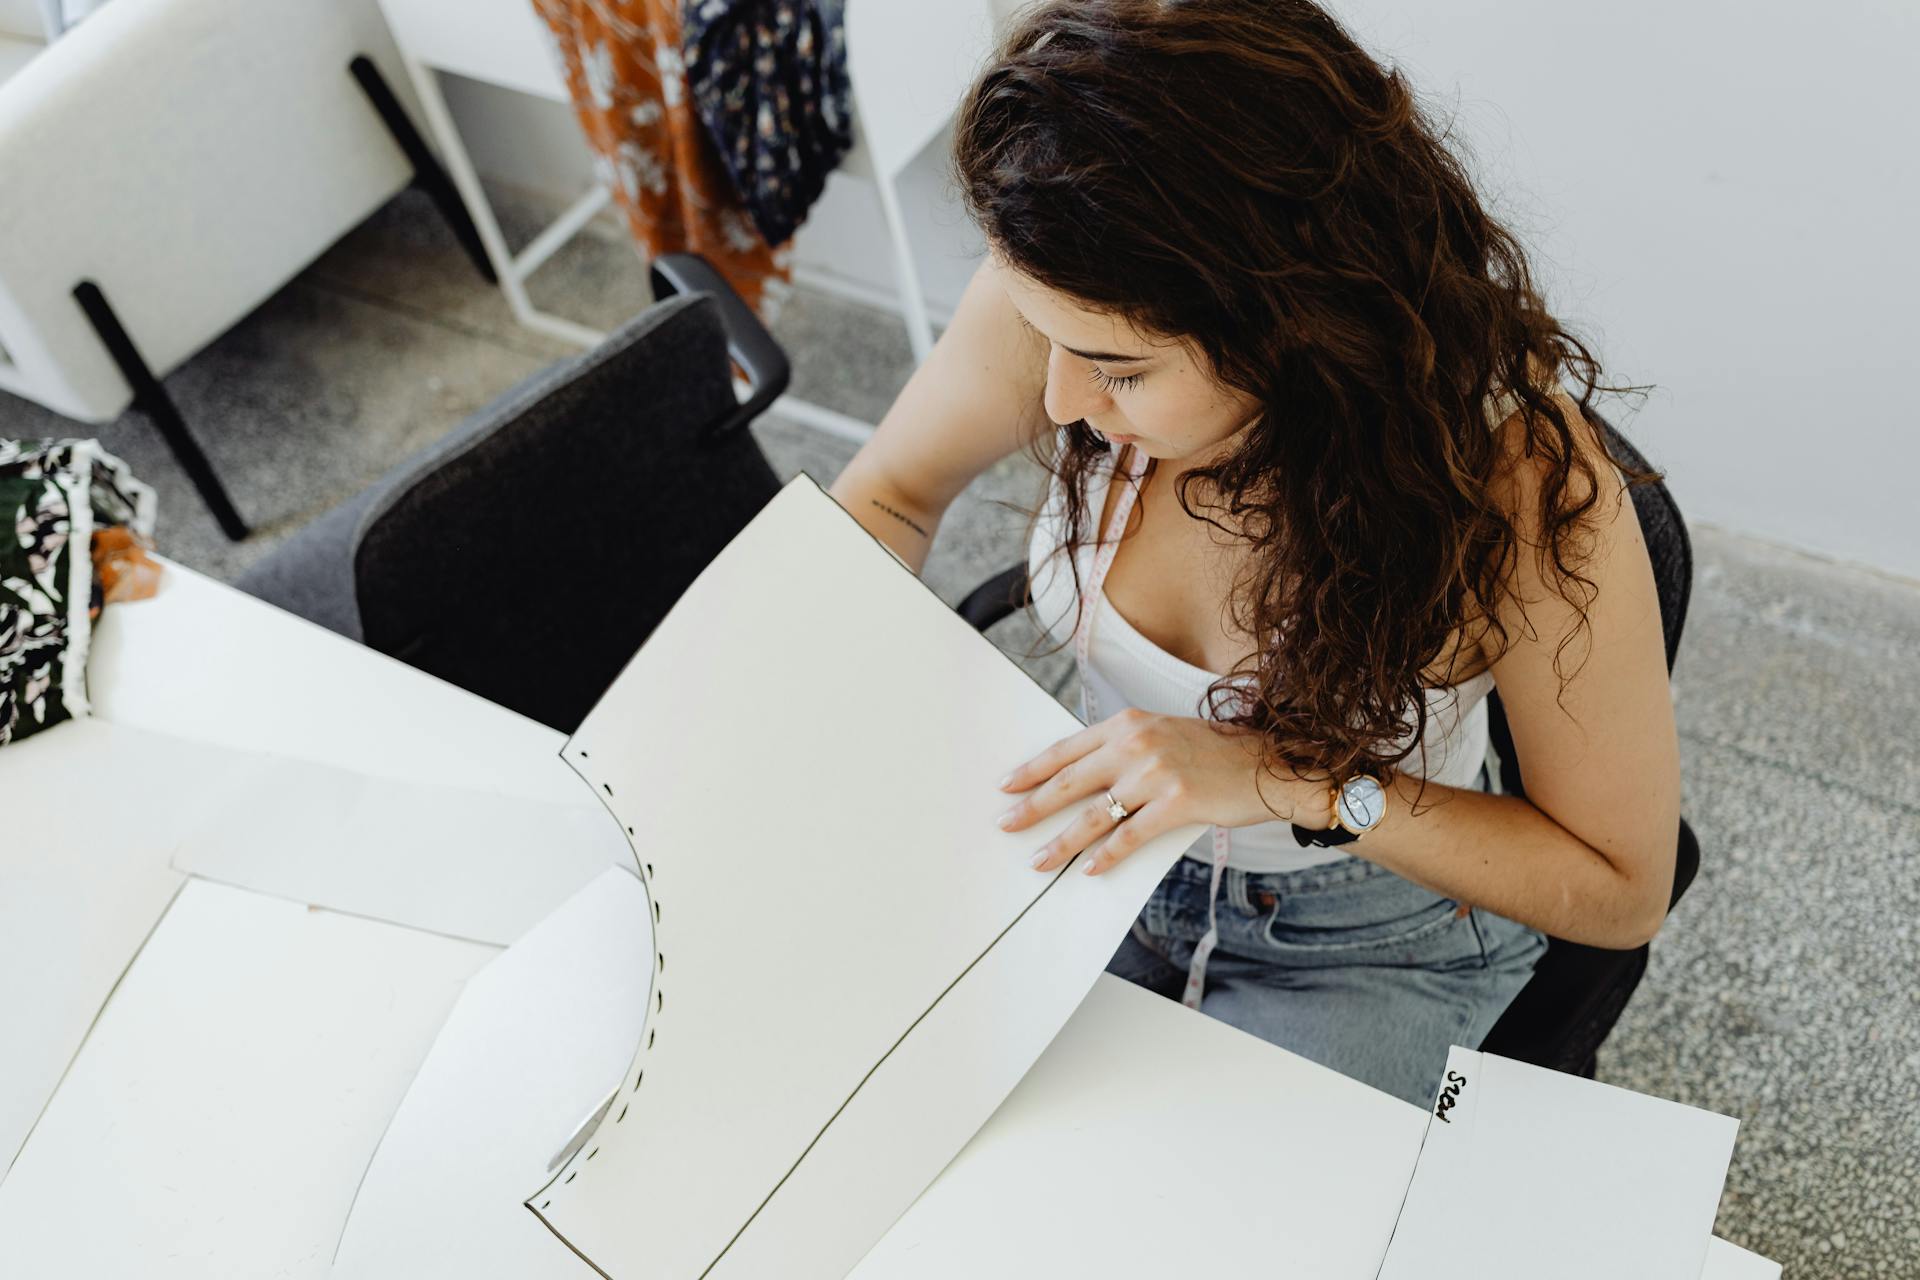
x: 164, y: 168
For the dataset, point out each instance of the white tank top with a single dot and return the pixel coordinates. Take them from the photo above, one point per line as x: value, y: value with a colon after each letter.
x: 1125, y: 669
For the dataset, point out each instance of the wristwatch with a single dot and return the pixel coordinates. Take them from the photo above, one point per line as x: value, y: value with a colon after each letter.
x: 1359, y: 805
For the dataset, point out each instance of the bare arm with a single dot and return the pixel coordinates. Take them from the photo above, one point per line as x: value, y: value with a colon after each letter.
x: 976, y: 400
x: 1588, y: 853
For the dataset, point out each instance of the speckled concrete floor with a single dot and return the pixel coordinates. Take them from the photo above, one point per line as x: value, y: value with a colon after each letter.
x: 1785, y: 989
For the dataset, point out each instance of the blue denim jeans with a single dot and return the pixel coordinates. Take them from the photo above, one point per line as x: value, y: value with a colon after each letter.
x: 1345, y: 963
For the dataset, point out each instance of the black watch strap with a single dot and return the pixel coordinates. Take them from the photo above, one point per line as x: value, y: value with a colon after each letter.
x: 1327, y: 839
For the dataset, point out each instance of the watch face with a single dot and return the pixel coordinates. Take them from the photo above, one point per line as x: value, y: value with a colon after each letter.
x: 1363, y: 802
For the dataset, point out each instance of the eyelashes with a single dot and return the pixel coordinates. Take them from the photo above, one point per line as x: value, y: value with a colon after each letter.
x: 1106, y: 382
x: 1111, y: 384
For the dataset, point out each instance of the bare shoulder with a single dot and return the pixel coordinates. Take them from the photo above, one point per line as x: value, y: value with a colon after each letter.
x: 1520, y: 485
x: 1581, y: 579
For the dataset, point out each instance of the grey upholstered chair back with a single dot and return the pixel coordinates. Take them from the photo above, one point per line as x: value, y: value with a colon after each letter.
x: 527, y: 555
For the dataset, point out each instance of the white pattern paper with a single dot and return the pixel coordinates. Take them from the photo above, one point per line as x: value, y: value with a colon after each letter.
x: 854, y: 965
x: 1521, y: 1163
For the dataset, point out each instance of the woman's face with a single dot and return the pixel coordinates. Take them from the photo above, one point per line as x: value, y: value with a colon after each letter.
x: 1156, y: 392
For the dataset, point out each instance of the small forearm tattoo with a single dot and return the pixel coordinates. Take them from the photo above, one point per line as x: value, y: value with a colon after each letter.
x: 900, y: 516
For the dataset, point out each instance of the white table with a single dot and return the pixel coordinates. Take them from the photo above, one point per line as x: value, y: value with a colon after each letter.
x: 225, y: 1105
x: 207, y: 699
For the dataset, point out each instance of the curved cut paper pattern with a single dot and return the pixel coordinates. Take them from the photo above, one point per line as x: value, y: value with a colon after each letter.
x: 853, y: 965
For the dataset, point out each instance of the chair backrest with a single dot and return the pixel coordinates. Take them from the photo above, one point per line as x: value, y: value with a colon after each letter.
x: 527, y: 555
x: 1668, y: 546
x: 190, y: 156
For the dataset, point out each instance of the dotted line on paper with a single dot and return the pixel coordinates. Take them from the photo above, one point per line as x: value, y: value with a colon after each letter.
x: 659, y: 997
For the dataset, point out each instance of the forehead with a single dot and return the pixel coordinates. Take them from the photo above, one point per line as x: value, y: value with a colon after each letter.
x: 1072, y: 323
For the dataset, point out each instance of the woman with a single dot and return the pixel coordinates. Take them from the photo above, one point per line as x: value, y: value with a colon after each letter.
x: 1297, y: 388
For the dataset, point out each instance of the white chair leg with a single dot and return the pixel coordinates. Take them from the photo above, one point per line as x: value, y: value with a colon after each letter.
x: 841, y: 426
x: 561, y: 229
x: 907, y: 276
x: 466, y: 180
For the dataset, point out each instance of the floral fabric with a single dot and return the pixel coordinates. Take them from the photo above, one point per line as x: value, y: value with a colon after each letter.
x: 54, y: 496
x: 770, y: 80
x: 625, y: 71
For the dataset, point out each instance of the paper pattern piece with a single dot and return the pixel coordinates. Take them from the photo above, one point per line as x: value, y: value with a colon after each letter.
x: 454, y: 860
x: 538, y: 1039
x: 225, y: 1105
x: 1150, y: 1139
x: 1308, y: 1166
x: 93, y: 812
x: 1521, y: 1163
x: 826, y: 794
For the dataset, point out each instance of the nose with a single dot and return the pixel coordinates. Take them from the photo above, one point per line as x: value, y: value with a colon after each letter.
x: 1071, y: 395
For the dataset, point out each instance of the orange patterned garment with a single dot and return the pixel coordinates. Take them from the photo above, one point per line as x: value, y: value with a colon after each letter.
x: 624, y: 70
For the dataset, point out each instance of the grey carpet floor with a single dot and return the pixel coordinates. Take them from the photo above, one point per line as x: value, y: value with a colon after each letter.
x: 1785, y: 989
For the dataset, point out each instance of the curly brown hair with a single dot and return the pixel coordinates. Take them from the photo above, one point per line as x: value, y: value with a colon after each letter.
x: 1242, y: 174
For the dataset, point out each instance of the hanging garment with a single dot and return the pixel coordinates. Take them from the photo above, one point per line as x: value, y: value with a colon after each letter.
x: 769, y: 78
x: 56, y: 497
x: 623, y: 67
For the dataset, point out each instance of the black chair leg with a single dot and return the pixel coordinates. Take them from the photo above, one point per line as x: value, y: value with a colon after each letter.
x: 152, y: 399
x: 428, y: 175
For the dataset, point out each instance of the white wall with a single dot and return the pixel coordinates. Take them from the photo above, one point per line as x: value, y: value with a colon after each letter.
x: 513, y: 137
x: 1723, y: 197
x: 1719, y: 198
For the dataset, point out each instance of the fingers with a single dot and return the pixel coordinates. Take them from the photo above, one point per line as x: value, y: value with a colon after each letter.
x: 1068, y: 749
x: 1094, y: 821
x: 1081, y: 767
x: 1075, y: 781
x: 1049, y: 762
x: 1138, y: 827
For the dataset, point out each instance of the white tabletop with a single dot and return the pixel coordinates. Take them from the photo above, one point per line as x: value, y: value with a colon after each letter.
x: 209, y: 703
x: 205, y: 697
x: 206, y: 662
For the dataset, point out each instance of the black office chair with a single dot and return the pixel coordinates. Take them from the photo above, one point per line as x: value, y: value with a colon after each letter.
x: 1577, y: 992
x: 526, y: 555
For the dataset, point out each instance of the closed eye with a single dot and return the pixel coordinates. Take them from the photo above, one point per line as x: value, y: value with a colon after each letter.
x: 1111, y: 384
x: 1107, y: 381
